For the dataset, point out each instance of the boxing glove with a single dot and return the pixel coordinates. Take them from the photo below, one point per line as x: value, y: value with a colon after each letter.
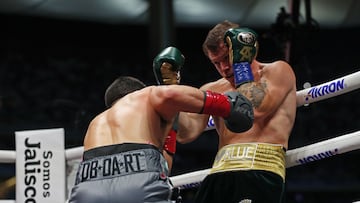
x: 235, y: 108
x: 243, y: 47
x: 167, y: 65
x: 241, y: 116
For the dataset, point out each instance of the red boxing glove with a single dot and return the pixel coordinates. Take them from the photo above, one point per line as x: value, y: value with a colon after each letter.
x: 170, y: 142
x: 216, y: 104
x: 234, y: 107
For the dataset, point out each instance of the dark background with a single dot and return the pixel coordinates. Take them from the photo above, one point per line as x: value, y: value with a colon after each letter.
x: 53, y: 73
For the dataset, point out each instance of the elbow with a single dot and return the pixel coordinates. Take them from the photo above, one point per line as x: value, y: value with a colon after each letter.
x: 166, y: 94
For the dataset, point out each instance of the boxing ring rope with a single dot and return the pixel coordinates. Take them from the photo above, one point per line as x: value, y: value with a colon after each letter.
x: 306, y: 96
x: 302, y: 155
x: 329, y: 89
x: 298, y: 156
x: 7, y: 156
x: 294, y: 157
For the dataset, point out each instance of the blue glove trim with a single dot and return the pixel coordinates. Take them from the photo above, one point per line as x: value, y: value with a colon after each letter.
x: 242, y: 73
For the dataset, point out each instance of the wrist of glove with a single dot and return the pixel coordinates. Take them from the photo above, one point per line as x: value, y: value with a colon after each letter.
x: 243, y: 47
x: 235, y: 108
x: 241, y: 116
x: 167, y: 66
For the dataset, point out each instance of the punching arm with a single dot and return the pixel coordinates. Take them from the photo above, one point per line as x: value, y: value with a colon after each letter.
x: 167, y: 66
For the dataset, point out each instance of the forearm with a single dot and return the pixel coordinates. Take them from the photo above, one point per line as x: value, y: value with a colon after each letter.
x: 191, y: 126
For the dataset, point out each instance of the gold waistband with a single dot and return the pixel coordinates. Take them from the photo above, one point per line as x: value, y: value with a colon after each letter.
x: 250, y: 156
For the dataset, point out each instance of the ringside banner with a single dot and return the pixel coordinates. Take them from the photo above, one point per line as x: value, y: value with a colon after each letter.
x: 40, y: 166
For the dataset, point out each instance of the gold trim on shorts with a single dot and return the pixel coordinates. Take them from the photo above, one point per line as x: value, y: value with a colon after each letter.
x: 250, y: 156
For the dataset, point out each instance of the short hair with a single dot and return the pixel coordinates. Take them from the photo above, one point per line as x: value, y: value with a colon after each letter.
x: 216, y: 35
x: 122, y: 86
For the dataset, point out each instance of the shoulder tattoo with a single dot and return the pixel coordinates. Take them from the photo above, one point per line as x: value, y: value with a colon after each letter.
x: 255, y: 92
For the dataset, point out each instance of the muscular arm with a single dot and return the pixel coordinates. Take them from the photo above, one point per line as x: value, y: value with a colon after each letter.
x: 190, y: 126
x: 269, y: 93
x: 267, y: 88
x: 232, y: 106
x: 171, y: 99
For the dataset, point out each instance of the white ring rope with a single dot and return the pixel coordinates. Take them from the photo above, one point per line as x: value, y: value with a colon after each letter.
x: 298, y: 156
x: 7, y: 156
x: 329, y: 89
x: 320, y: 92
x: 74, y: 153
x: 306, y: 96
x: 302, y: 155
x: 324, y: 149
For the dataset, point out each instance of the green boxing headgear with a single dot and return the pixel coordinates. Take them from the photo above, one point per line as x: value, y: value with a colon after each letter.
x: 242, y: 43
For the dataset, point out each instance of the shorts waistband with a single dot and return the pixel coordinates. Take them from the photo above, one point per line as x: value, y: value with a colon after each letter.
x: 114, y: 149
x: 250, y: 156
x: 119, y: 160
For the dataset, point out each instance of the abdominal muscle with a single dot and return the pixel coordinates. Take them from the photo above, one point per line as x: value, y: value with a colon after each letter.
x: 275, y: 131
